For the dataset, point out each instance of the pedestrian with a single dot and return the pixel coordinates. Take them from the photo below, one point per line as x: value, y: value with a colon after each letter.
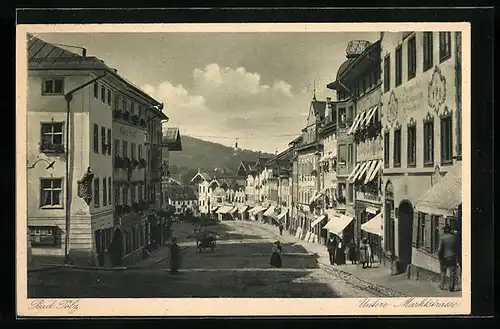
x: 447, y: 251
x: 175, y: 256
x: 340, y: 253
x: 331, y: 245
x: 353, y: 251
x: 281, y: 229
x: 276, y: 255
x: 364, y: 257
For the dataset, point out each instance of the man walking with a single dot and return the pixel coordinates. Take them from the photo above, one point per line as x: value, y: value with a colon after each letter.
x: 331, y: 245
x: 448, y: 250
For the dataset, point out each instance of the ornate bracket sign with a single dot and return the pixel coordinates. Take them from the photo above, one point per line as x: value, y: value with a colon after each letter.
x: 437, y: 90
x: 392, y: 108
x: 85, y: 186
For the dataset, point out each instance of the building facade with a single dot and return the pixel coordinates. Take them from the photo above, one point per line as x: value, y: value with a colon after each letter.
x: 202, y: 182
x: 422, y: 142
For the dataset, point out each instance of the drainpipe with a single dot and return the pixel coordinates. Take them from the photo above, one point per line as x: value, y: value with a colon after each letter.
x: 69, y: 96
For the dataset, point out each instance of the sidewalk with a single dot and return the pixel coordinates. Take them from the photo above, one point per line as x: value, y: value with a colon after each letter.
x: 376, y: 275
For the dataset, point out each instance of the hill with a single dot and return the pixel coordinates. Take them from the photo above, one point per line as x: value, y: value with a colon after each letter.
x: 208, y: 156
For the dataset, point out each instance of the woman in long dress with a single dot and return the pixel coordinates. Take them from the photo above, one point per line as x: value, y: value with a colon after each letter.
x: 276, y: 255
x: 364, y: 253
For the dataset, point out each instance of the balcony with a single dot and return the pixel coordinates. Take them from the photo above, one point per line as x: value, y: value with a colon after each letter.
x: 127, y: 117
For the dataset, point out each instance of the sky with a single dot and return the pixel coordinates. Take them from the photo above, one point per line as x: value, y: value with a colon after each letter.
x: 253, y: 87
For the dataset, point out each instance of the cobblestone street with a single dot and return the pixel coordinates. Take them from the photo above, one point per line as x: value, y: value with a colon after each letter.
x: 239, y: 267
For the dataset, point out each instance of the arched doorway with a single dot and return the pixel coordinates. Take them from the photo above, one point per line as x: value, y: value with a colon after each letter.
x: 405, y: 231
x: 389, y: 225
x: 116, y: 248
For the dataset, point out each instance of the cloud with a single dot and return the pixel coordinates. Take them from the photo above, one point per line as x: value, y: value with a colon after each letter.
x: 225, y: 101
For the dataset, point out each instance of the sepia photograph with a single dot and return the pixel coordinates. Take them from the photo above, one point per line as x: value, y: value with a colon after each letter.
x: 197, y: 164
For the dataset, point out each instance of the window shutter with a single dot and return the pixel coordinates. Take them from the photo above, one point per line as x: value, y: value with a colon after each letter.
x: 416, y: 223
x: 428, y: 233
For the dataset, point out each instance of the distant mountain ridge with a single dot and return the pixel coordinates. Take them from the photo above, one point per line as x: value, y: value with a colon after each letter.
x: 207, y: 156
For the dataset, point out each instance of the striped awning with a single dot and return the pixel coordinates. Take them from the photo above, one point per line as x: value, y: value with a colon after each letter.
x: 369, y: 115
x: 364, y: 167
x: 374, y: 171
x: 357, y: 121
x: 224, y: 209
x: 232, y: 211
x: 242, y: 209
x: 318, y: 220
x: 354, y: 172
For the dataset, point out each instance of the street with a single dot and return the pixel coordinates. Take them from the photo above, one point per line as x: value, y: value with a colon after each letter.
x: 239, y: 267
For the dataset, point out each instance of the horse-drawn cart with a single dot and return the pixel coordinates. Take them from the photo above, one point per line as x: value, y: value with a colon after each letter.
x: 206, y: 240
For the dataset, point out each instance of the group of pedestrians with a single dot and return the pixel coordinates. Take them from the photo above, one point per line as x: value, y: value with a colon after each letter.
x: 337, y: 251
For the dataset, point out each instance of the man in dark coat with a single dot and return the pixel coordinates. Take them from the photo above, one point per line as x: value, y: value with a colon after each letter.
x: 331, y: 245
x: 175, y: 256
x: 448, y: 250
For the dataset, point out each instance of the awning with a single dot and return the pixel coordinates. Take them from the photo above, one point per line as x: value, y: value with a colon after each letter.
x: 373, y: 174
x: 369, y: 116
x: 224, y: 209
x: 371, y: 210
x: 337, y: 224
x: 374, y: 225
x: 269, y: 211
x: 445, y: 196
x: 252, y: 209
x: 354, y: 175
x: 242, y: 208
x: 318, y: 220
x: 282, y: 214
x: 370, y: 169
x: 232, y: 211
x: 362, y: 171
x: 356, y: 122
x: 313, y: 198
x: 353, y: 172
x: 215, y: 208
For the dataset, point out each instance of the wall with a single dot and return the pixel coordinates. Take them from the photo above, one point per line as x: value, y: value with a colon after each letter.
x: 53, y: 108
x: 413, y: 101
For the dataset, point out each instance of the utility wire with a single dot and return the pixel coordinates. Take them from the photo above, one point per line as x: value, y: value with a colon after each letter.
x: 239, y: 138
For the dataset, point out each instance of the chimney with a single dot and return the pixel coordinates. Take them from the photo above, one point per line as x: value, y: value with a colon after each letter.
x: 84, y: 52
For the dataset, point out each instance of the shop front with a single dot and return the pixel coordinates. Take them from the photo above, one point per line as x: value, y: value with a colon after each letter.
x: 340, y: 225
x: 373, y: 229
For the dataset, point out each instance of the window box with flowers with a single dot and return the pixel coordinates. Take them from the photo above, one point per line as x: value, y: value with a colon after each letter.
x: 119, y: 163
x: 135, y: 119
x: 49, y: 147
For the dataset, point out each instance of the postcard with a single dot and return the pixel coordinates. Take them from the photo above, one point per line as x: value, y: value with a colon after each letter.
x: 243, y: 169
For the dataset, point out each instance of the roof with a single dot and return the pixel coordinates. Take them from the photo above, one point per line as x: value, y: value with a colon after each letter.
x: 319, y: 108
x: 344, y: 66
x: 46, y: 56
x: 180, y: 193
x: 202, y: 175
x: 172, y: 139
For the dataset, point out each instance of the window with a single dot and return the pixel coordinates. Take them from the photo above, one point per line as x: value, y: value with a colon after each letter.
x: 428, y: 143
x: 103, y: 94
x: 117, y: 144
x: 53, y: 86
x: 97, y: 201
x: 96, y: 90
x: 103, y: 139
x: 412, y: 58
x: 132, y: 150
x: 428, y: 51
x: 50, y: 192
x: 350, y: 193
x: 96, y: 139
x: 104, y: 192
x: 386, y: 150
x: 399, y: 65
x: 125, y: 195
x: 444, y: 46
x: 412, y: 146
x: 117, y: 194
x: 116, y: 103
x: 52, y: 137
x: 109, y: 97
x: 397, y: 148
x: 140, y: 152
x: 435, y: 233
x: 109, y: 141
x: 125, y: 149
x: 350, y: 154
x: 44, y: 236
x: 421, y: 240
x: 446, y: 140
x: 387, y: 73
x: 124, y: 104
x: 342, y: 154
x: 132, y: 194
x: 109, y: 190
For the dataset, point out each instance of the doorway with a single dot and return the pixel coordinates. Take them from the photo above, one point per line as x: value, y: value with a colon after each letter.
x: 405, y: 232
